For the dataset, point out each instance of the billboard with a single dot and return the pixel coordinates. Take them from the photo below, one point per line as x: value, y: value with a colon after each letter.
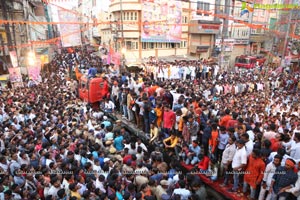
x: 70, y: 33
x: 13, y: 58
x: 161, y: 21
x: 15, y: 74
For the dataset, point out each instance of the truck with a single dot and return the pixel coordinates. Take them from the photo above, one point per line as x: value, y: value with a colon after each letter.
x: 249, y: 62
x: 93, y: 90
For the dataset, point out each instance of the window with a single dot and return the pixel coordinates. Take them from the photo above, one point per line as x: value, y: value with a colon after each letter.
x: 135, y: 15
x: 134, y: 45
x: 159, y: 45
x: 144, y: 45
x: 151, y: 45
x: 202, y: 7
x: 127, y: 16
x: 258, y: 31
x: 184, y: 19
x: 128, y: 45
x: 183, y: 44
x: 131, y: 16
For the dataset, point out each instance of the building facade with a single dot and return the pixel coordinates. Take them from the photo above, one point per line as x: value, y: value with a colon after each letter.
x: 204, y: 26
x: 140, y: 29
x: 90, y: 11
x: 21, y: 37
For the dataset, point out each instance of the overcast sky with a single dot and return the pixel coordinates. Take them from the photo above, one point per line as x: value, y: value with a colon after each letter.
x: 74, y: 3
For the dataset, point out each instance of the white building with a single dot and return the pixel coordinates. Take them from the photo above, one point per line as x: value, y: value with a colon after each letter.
x: 160, y: 28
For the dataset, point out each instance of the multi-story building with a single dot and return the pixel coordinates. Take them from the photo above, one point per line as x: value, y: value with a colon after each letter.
x: 90, y: 11
x: 247, y: 29
x: 260, y: 19
x: 204, y: 26
x: 286, y: 42
x: 140, y: 29
x: 21, y: 37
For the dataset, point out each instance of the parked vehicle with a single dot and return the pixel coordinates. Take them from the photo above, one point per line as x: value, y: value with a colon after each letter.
x: 249, y: 62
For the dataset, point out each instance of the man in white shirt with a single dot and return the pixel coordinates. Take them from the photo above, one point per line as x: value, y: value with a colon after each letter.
x: 268, y: 175
x: 295, y: 149
x: 100, y: 183
x: 270, y: 134
x: 227, y: 157
x: 109, y: 106
x: 55, y: 186
x: 239, y: 161
x: 248, y: 143
x: 182, y: 191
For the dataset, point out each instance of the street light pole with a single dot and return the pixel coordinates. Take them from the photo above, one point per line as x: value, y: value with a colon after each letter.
x: 287, y: 35
x: 122, y: 35
x: 250, y: 29
x: 224, y: 33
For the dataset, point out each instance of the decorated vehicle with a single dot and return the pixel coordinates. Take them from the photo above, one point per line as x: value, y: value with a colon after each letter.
x: 249, y: 62
x: 93, y: 90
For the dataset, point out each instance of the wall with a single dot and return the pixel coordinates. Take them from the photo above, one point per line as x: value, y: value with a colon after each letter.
x: 237, y: 51
x: 201, y: 16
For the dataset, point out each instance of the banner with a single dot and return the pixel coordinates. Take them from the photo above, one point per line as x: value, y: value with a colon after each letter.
x: 116, y: 58
x: 70, y: 33
x: 161, y: 21
x: 13, y: 58
x: 34, y: 72
x: 15, y: 74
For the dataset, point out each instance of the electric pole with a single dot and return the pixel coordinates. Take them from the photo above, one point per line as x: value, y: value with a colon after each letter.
x: 224, y: 34
x: 287, y: 35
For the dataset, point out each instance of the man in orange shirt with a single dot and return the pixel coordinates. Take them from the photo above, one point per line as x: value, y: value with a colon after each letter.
x: 254, y: 173
x: 225, y: 119
x: 213, y: 141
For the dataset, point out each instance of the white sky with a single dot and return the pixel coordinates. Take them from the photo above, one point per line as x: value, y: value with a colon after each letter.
x: 71, y: 4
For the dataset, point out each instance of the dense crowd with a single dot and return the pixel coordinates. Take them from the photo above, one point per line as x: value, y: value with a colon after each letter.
x: 242, y: 128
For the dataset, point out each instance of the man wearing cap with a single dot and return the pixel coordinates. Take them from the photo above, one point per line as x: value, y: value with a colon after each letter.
x: 239, y: 161
x: 283, y: 179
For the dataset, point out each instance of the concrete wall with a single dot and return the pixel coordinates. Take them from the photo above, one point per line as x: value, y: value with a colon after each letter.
x: 237, y: 51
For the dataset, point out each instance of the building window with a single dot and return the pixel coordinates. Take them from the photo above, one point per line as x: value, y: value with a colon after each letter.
x: 202, y: 8
x: 151, y: 45
x: 135, y: 16
x: 132, y: 44
x: 159, y: 45
x: 144, y: 45
x: 127, y: 16
x: 184, y: 19
x: 135, y: 45
x: 131, y: 16
x: 183, y: 44
x: 128, y: 45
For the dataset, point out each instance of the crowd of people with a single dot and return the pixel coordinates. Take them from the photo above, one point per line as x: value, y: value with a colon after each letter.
x: 242, y: 129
